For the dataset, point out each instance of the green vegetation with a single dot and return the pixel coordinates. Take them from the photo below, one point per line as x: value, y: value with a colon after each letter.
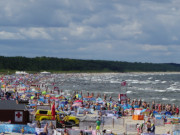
x: 37, y: 64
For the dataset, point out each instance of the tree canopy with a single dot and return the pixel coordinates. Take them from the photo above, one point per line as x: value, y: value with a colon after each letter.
x: 65, y: 64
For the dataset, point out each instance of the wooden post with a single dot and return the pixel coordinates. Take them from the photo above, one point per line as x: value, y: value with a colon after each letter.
x: 113, y: 122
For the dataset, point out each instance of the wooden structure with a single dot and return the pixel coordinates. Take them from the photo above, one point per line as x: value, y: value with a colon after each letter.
x: 13, y: 112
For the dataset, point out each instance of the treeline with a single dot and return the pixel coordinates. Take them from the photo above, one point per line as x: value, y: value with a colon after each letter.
x: 63, y: 64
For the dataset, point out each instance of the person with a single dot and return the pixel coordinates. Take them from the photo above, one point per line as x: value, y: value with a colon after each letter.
x: 111, y: 133
x: 138, y: 128
x: 38, y: 124
x: 65, y: 132
x: 98, y: 124
x: 90, y: 128
x: 22, y: 130
x: 104, y: 132
x: 150, y: 127
x: 51, y: 127
x: 81, y: 132
x: 45, y: 131
x: 177, y: 111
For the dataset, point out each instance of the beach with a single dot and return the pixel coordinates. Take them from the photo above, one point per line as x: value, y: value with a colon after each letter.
x: 45, y: 90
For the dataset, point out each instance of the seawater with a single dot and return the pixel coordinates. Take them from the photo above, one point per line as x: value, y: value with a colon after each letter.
x: 160, y: 87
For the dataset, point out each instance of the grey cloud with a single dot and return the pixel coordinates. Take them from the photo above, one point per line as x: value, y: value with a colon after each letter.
x: 138, y: 30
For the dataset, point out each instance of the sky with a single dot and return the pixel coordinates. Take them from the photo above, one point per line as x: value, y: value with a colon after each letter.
x: 118, y: 30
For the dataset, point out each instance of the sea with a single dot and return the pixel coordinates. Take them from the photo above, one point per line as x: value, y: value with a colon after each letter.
x: 159, y: 87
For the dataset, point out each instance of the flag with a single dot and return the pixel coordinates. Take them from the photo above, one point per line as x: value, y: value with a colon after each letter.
x: 123, y: 83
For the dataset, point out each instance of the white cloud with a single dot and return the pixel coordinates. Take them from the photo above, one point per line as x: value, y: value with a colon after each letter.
x: 9, y: 35
x: 154, y: 48
x: 35, y: 33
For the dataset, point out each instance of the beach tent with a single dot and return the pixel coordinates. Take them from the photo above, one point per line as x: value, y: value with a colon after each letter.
x: 137, y: 114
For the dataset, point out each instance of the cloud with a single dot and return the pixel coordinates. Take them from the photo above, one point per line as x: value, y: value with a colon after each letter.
x: 154, y: 48
x: 35, y: 33
x: 142, y: 31
x: 9, y: 35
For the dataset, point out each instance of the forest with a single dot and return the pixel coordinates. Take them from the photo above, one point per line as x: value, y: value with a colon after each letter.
x: 53, y: 64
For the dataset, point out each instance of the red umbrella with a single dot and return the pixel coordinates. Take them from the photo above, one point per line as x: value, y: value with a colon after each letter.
x: 78, y: 101
x: 53, y: 98
x: 77, y: 104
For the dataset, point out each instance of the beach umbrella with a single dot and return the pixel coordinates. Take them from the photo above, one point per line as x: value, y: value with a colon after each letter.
x: 32, y: 105
x: 28, y: 95
x: 47, y: 95
x: 23, y: 96
x: 33, y: 90
x: 78, y: 96
x: 61, y: 97
x: 41, y: 99
x: 28, y: 91
x: 53, y: 98
x: 78, y: 101
x: 32, y: 97
x: 78, y: 104
x: 143, y: 110
x: 44, y: 92
x: 57, y: 95
x: 99, y: 100
x: 10, y: 91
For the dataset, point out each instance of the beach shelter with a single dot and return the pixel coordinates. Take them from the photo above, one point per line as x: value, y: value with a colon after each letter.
x: 137, y: 114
